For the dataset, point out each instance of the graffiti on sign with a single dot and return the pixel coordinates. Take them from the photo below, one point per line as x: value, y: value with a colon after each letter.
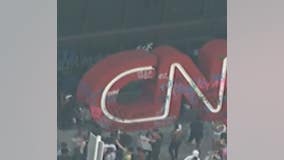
x: 70, y: 61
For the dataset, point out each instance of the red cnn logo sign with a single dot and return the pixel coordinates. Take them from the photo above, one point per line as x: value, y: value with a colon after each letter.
x: 156, y: 107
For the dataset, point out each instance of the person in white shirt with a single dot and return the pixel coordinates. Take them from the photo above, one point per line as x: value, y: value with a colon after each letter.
x: 107, y: 146
x: 193, y: 156
x: 145, y: 143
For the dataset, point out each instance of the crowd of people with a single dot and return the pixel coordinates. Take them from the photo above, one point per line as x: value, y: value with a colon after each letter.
x: 79, y: 152
x: 144, y: 145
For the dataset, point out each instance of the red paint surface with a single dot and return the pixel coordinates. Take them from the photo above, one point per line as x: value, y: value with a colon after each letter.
x: 210, y: 63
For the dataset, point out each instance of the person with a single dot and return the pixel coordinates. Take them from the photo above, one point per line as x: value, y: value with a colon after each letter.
x: 127, y: 154
x: 109, y: 154
x: 223, y: 142
x: 64, y: 152
x: 107, y: 146
x: 176, y: 139
x: 116, y: 138
x: 196, y: 132
x: 66, y: 115
x: 220, y: 129
x: 144, y: 142
x: 82, y: 115
x: 85, y: 147
x: 193, y: 156
x: 220, y: 147
x: 223, y: 138
x: 80, y: 141
x: 156, y: 143
x: 126, y: 140
x: 187, y: 113
x: 224, y: 153
x: 140, y: 154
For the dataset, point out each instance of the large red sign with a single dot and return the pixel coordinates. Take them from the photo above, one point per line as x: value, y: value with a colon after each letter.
x: 159, y: 106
